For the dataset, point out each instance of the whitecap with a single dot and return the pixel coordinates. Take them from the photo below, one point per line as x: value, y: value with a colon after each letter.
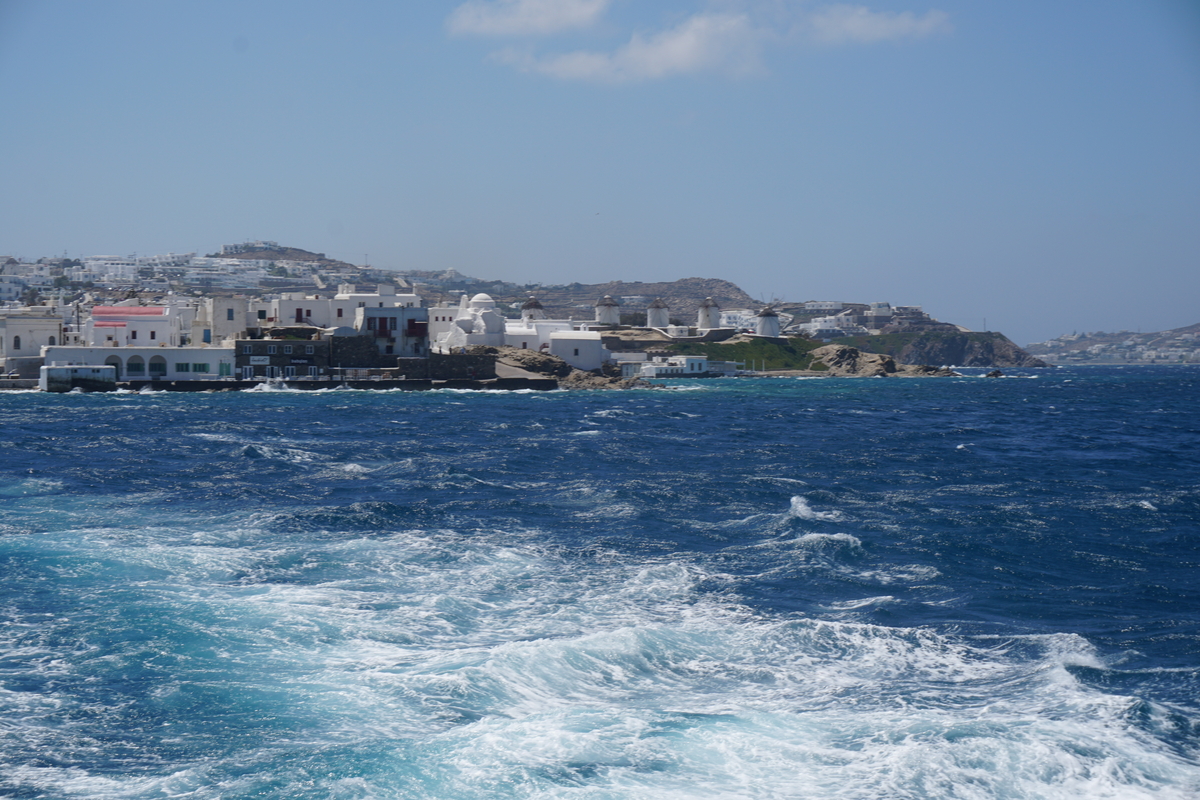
x: 801, y: 510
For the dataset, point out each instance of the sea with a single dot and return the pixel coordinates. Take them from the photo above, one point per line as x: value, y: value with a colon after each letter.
x: 762, y: 587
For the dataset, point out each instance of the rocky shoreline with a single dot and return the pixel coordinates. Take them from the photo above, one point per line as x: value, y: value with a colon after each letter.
x: 839, y: 361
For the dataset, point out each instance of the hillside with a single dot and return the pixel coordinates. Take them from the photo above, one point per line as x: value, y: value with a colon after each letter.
x: 947, y: 348
x: 683, y: 296
x: 290, y: 254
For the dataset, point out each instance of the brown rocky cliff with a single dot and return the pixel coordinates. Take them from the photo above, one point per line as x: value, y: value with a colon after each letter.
x: 967, y: 350
x: 842, y: 360
x: 951, y: 348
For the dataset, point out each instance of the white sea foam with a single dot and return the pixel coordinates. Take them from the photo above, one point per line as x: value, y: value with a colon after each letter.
x: 484, y: 664
x: 801, y: 510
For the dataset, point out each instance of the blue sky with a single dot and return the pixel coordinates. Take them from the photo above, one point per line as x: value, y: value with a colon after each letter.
x: 1035, y: 165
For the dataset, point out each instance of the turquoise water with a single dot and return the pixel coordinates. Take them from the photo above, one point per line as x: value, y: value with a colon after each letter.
x: 758, y: 588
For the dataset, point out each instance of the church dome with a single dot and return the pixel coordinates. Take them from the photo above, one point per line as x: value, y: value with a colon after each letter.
x: 482, y: 300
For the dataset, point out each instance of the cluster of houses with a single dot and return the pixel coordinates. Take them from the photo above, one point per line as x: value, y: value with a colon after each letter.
x: 856, y: 319
x: 299, y: 336
x: 1125, y: 347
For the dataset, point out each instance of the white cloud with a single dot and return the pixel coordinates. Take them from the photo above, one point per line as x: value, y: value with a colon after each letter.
x: 523, y: 17
x: 843, y: 23
x: 726, y: 43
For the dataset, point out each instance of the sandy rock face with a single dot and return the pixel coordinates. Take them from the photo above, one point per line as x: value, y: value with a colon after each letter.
x: 843, y: 360
x: 534, y: 361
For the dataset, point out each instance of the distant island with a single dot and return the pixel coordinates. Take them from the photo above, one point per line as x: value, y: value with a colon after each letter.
x: 1176, y: 346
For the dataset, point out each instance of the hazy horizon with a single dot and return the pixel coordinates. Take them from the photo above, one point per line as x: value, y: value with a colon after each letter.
x: 1032, y: 165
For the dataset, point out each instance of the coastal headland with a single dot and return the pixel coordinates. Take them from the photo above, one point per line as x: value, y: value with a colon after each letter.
x: 419, y: 331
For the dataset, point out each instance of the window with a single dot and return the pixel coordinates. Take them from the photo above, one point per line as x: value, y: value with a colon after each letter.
x: 153, y: 334
x: 184, y: 367
x: 272, y: 349
x: 262, y: 313
x: 200, y: 368
x: 308, y: 349
x: 247, y: 349
x: 576, y: 351
x: 392, y: 323
x: 207, y: 336
x: 312, y: 372
x: 16, y: 343
x: 362, y: 303
x: 289, y: 372
x: 287, y: 349
x: 339, y: 313
x: 133, y: 334
x: 229, y: 314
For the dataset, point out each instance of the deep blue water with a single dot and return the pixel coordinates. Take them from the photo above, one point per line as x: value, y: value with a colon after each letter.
x: 750, y: 588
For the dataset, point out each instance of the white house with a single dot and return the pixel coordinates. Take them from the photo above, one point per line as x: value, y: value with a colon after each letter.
x: 325, y: 311
x: 581, y: 349
x: 220, y: 319
x: 398, y: 330
x: 534, y: 334
x: 134, y: 363
x: 135, y: 326
x: 11, y: 288
x: 23, y: 334
x: 666, y: 367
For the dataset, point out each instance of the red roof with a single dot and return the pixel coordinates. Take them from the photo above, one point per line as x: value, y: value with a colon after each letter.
x: 108, y: 323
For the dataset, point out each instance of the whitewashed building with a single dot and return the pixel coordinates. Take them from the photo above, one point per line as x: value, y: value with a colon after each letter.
x: 475, y: 322
x: 581, y: 349
x: 136, y: 326
x: 666, y: 367
x: 328, y: 311
x: 149, y: 363
x: 23, y: 334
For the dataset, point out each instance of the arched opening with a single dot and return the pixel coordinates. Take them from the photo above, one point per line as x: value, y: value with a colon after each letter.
x: 136, y: 367
x: 114, y: 361
x: 158, y: 367
x: 16, y: 343
x: 53, y: 341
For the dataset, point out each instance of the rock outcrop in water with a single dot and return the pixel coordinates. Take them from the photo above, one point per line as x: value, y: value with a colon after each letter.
x: 842, y: 360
